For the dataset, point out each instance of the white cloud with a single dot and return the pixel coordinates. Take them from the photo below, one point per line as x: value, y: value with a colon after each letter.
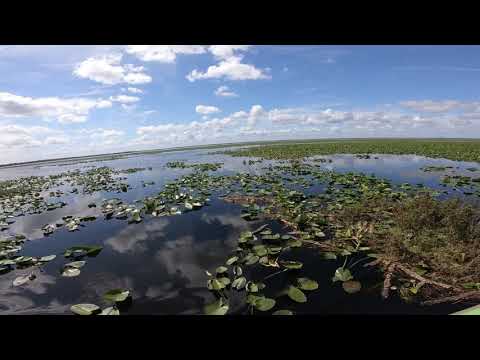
x: 135, y: 90
x: 435, y: 106
x: 224, y: 91
x: 231, y: 68
x: 16, y: 136
x: 163, y: 53
x: 226, y: 51
x: 108, y: 70
x: 106, y: 136
x: 124, y: 99
x: 206, y: 110
x: 64, y: 110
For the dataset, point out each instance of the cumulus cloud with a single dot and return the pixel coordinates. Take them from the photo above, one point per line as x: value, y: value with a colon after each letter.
x: 224, y: 91
x: 106, y: 136
x: 206, y: 110
x: 16, y: 136
x: 163, y: 53
x: 135, y: 90
x: 71, y: 110
x: 108, y: 70
x: 227, y: 51
x: 230, y: 68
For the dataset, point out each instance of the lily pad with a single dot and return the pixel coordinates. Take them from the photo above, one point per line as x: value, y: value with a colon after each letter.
x: 76, y: 264
x: 110, y: 311
x: 307, y: 284
x: 47, y: 258
x: 70, y: 272
x: 239, y: 283
x: 342, y: 274
x: 116, y: 295
x: 85, y: 309
x: 221, y: 269
x: 264, y: 304
x: 21, y: 280
x: 296, y: 294
x: 218, y: 307
x: 232, y: 260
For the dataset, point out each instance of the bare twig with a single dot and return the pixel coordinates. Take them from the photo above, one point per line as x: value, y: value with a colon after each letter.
x: 426, y: 281
x: 465, y: 296
x: 388, y: 280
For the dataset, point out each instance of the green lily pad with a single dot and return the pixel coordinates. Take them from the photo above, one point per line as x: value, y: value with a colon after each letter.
x: 252, y: 260
x: 85, y: 309
x: 264, y: 304
x: 251, y: 287
x: 116, y: 295
x: 232, y: 260
x: 47, y: 258
x: 218, y: 307
x: 224, y: 280
x: 342, y: 274
x: 239, y: 283
x: 221, y: 269
x: 307, y: 284
x: 70, y: 272
x: 110, y: 311
x: 296, y: 294
x: 76, y: 264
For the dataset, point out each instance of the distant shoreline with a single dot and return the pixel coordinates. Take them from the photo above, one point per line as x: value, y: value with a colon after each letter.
x: 212, y: 146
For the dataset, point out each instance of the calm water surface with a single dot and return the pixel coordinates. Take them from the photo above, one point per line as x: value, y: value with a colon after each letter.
x: 163, y: 260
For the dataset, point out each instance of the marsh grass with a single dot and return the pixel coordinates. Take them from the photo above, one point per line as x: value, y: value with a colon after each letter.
x: 442, y: 236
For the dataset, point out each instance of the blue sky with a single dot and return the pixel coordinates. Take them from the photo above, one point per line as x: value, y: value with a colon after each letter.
x: 60, y: 101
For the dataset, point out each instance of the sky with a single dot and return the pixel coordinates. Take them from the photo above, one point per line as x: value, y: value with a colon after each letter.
x: 61, y: 101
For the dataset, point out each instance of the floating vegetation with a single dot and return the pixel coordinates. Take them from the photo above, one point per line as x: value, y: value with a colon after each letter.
x: 427, y: 247
x: 463, y: 150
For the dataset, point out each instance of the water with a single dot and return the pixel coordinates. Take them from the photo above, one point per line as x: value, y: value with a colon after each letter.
x: 163, y: 260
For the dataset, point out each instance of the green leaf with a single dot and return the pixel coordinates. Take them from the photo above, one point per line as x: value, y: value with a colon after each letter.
x: 47, y: 258
x: 90, y: 250
x: 215, y: 284
x: 76, y: 264
x: 237, y: 270
x: 291, y: 264
x: 296, y: 294
x: 224, y: 280
x: 352, y: 286
x: 20, y: 280
x: 260, y: 250
x: 283, y: 312
x: 251, y: 287
x: 307, y: 284
x: 70, y: 272
x: 239, y: 283
x: 110, y: 311
x: 342, y: 274
x: 221, y: 269
x: 85, y: 309
x: 264, y: 304
x: 294, y: 243
x: 216, y: 308
x: 232, y: 260
x: 329, y: 256
x: 252, y: 260
x: 188, y: 206
x: 116, y: 295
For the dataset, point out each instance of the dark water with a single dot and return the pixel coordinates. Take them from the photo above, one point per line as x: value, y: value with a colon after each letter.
x: 163, y: 260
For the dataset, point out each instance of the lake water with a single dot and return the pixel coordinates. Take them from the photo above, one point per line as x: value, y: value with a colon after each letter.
x: 163, y: 260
